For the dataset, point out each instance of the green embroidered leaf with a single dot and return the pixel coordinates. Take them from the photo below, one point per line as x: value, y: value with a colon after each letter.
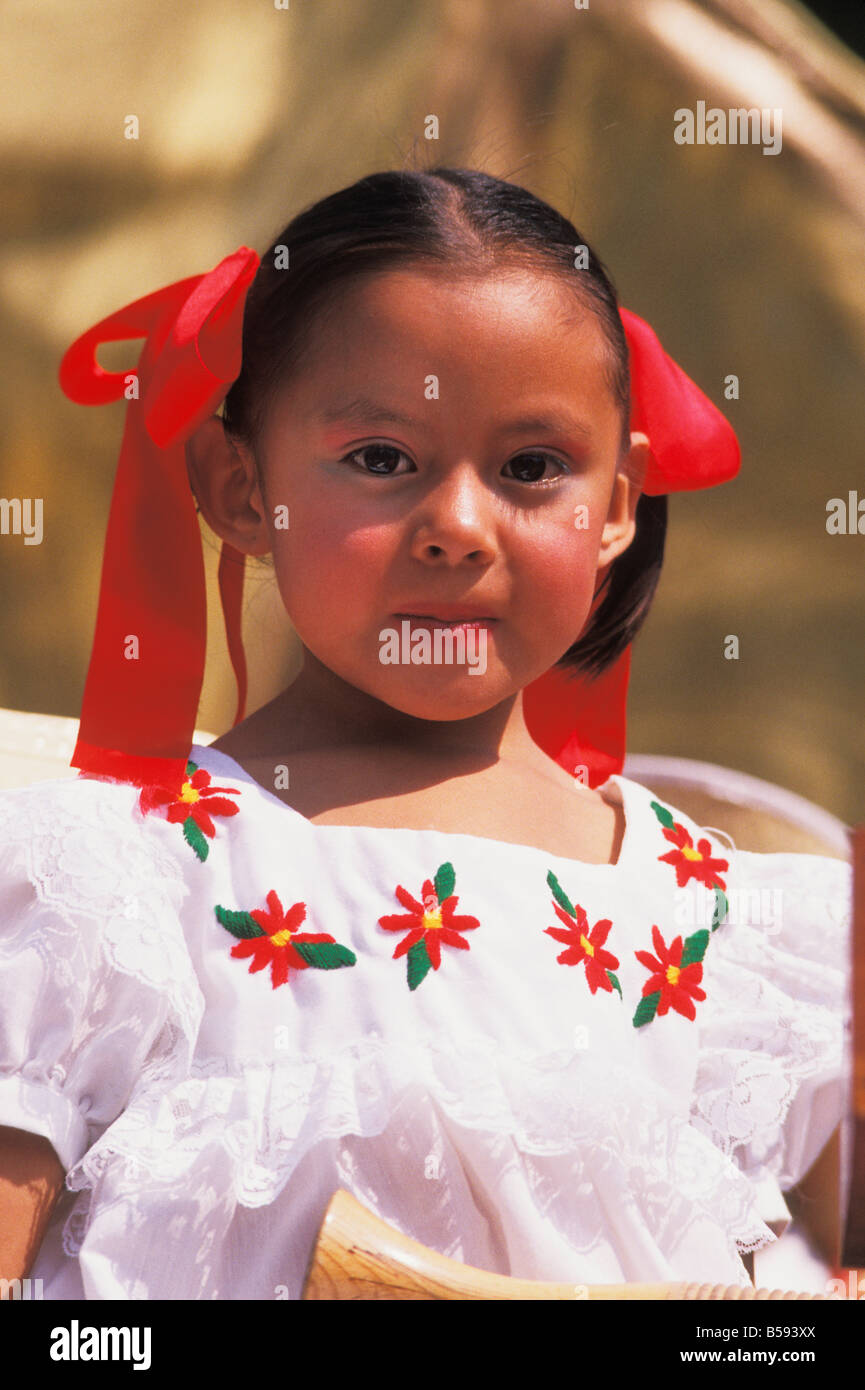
x: 694, y: 948
x: 615, y: 983
x: 559, y: 894
x: 418, y: 963
x: 722, y: 907
x: 325, y: 955
x: 645, y: 1010
x: 191, y: 767
x: 444, y: 882
x: 193, y: 836
x: 240, y: 924
x: 664, y: 816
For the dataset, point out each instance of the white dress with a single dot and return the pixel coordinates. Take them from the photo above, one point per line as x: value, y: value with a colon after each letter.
x: 210, y: 1070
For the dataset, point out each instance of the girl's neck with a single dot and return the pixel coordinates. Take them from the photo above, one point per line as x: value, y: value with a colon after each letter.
x: 320, y: 710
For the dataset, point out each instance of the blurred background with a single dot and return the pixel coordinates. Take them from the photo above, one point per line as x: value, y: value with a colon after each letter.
x: 743, y: 263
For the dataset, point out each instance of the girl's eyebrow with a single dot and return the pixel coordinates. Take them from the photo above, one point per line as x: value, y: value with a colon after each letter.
x: 548, y: 422
x: 364, y: 408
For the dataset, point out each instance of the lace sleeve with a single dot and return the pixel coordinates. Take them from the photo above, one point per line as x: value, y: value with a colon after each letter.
x: 773, y: 1061
x: 96, y: 985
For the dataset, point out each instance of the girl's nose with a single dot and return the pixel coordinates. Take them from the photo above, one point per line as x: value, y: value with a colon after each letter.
x: 456, y: 521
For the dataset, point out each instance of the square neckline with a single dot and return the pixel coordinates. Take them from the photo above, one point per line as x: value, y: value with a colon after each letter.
x: 238, y: 772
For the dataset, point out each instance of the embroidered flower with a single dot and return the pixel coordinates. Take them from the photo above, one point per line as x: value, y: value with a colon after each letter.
x: 675, y: 979
x: 271, y: 938
x: 192, y: 806
x: 693, y: 863
x: 584, y: 946
x: 428, y: 923
x: 690, y: 862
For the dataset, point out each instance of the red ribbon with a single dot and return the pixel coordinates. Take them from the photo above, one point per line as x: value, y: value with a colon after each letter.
x: 581, y: 723
x: 147, y: 664
x: 692, y: 444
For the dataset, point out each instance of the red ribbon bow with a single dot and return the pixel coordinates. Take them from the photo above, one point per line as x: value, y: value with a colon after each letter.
x: 147, y: 664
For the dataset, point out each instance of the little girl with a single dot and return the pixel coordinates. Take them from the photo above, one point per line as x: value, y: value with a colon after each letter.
x: 406, y: 930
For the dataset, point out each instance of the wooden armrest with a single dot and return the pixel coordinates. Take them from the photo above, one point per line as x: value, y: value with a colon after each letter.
x: 357, y: 1255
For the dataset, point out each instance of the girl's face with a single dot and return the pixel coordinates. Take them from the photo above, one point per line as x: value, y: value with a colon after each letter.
x: 448, y: 450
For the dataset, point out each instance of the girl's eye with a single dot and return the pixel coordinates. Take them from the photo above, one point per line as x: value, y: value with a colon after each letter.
x: 529, y: 467
x: 382, y: 461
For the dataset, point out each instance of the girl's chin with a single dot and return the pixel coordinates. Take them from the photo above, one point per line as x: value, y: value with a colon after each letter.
x: 442, y: 712
x: 442, y: 701
x: 442, y: 698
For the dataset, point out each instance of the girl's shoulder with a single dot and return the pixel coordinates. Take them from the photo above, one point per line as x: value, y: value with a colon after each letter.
x: 90, y: 877
x: 653, y: 814
x: 91, y: 831
x: 796, y: 901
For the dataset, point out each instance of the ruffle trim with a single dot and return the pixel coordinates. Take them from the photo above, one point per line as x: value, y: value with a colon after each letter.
x: 630, y: 1146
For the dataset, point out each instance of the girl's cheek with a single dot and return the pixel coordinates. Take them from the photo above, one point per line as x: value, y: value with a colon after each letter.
x: 565, y: 559
x: 326, y: 567
x: 324, y: 539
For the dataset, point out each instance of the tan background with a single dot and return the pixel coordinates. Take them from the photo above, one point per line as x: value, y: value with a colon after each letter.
x: 743, y: 263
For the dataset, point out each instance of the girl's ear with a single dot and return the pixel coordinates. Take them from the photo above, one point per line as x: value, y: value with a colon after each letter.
x: 620, y: 526
x: 223, y: 478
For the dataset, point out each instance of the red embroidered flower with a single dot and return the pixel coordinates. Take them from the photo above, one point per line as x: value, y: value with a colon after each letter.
x: 270, y: 938
x: 583, y: 946
x: 677, y: 985
x: 428, y: 923
x: 192, y: 806
x: 690, y: 862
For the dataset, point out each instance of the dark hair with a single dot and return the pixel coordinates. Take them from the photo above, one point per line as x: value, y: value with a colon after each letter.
x: 475, y: 222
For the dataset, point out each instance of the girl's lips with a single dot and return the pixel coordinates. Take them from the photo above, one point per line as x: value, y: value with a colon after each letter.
x: 432, y: 620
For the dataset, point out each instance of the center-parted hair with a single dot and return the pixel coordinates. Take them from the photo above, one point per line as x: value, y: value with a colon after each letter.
x: 471, y: 223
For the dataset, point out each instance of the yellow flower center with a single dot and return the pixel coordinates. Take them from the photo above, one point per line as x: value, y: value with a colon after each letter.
x: 690, y: 853
x: 673, y: 973
x: 281, y: 938
x: 189, y: 793
x: 587, y: 945
x: 432, y: 918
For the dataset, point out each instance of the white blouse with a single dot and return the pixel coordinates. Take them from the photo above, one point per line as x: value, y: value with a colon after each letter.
x: 219, y: 1013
